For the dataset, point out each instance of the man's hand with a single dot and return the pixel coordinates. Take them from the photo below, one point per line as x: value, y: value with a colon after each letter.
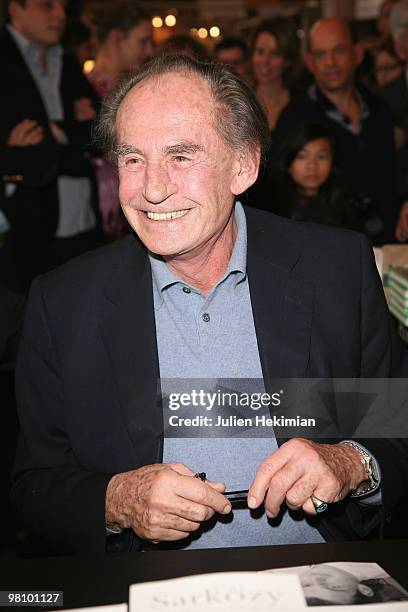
x: 301, y: 468
x: 401, y: 231
x: 162, y: 501
x: 26, y: 133
x: 58, y: 133
x: 84, y: 110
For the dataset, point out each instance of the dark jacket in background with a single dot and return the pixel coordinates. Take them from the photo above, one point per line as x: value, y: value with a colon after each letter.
x: 366, y: 161
x: 396, y: 96
x: 32, y: 210
x: 11, y: 326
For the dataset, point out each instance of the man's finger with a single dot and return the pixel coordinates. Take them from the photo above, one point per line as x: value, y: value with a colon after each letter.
x: 200, y: 492
x: 299, y: 493
x: 169, y: 535
x: 180, y: 468
x: 193, y: 511
x: 218, y: 486
x: 266, y: 471
x: 34, y: 137
x: 280, y: 484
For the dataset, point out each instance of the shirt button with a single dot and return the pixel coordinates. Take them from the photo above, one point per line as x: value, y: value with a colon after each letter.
x: 205, y: 317
x: 186, y: 289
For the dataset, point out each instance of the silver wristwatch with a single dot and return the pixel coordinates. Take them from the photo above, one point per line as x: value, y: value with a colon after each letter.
x: 372, y: 478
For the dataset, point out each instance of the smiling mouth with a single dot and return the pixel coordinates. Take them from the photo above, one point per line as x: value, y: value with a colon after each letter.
x: 166, y: 216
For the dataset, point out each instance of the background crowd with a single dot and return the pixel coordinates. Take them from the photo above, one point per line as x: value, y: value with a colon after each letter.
x: 337, y: 112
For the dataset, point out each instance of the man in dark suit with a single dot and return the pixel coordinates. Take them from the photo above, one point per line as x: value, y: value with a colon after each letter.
x: 205, y: 290
x: 358, y: 120
x: 47, y: 187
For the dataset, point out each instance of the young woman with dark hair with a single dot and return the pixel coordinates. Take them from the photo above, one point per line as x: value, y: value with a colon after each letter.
x: 307, y: 186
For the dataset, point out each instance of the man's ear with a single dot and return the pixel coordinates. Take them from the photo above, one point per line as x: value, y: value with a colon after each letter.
x: 245, y: 171
x: 358, y: 53
x: 14, y: 9
x: 401, y: 49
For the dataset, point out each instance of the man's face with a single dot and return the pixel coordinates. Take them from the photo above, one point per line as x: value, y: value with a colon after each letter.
x: 41, y: 21
x: 136, y: 46
x: 332, y: 57
x: 234, y: 56
x: 176, y: 173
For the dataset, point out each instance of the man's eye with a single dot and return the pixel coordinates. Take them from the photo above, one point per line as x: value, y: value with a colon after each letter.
x: 131, y: 162
x: 180, y: 158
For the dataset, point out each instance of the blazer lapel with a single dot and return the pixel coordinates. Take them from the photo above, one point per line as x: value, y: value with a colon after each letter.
x: 127, y: 327
x: 282, y: 304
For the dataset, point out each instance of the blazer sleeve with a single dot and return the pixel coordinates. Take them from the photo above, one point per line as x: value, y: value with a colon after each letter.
x: 384, y: 355
x: 59, y: 500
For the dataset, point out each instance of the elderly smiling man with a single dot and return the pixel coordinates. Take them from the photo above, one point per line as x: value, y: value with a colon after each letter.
x: 203, y: 289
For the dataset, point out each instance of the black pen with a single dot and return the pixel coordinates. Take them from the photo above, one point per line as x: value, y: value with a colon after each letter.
x: 237, y: 496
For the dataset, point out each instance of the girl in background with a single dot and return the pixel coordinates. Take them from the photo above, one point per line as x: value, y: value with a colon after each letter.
x: 306, y: 185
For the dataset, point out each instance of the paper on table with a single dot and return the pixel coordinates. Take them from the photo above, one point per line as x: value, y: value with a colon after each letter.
x: 113, y: 608
x: 230, y: 591
x: 391, y: 606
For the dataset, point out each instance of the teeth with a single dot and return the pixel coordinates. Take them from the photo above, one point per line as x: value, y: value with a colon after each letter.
x: 170, y: 215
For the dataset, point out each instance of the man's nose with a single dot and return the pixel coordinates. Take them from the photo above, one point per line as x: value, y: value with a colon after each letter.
x: 331, y: 59
x: 157, y: 185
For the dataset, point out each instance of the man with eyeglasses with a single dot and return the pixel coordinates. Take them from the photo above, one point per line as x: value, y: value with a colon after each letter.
x: 358, y: 120
x: 46, y: 212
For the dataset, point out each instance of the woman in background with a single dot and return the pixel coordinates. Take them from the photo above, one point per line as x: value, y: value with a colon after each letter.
x: 275, y: 65
x: 124, y: 36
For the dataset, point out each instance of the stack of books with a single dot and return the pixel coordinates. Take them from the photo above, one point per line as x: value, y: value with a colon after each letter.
x: 397, y: 292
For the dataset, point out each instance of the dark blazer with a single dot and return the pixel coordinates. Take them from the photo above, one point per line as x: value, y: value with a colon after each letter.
x: 88, y: 366
x: 32, y: 210
x: 11, y: 326
x: 396, y: 96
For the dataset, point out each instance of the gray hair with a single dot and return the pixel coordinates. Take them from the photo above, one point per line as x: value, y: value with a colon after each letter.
x: 399, y: 19
x: 238, y: 116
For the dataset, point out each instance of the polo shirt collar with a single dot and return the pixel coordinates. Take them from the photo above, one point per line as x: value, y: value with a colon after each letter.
x: 163, y: 277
